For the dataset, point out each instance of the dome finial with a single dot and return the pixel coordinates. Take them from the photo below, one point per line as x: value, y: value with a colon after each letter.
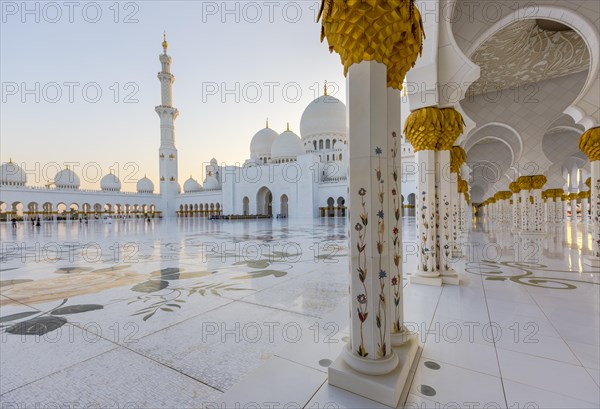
x: 267, y: 122
x: 165, y: 45
x: 9, y: 160
x: 288, y: 126
x: 325, y: 88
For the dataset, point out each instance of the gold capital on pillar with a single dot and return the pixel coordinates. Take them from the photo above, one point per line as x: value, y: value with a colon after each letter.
x: 458, y: 157
x: 538, y: 181
x: 514, y: 187
x: 423, y: 128
x: 589, y: 143
x: 453, y: 124
x: 525, y: 182
x: 389, y: 32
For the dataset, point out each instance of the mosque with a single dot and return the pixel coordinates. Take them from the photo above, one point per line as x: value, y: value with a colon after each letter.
x: 286, y: 175
x: 496, y: 116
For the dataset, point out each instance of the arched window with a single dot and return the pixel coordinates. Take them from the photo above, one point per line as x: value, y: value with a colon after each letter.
x: 321, y: 144
x: 328, y: 144
x: 315, y: 144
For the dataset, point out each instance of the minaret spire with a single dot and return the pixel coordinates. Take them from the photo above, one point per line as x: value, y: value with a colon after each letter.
x: 325, y: 88
x: 165, y: 45
x: 169, y: 187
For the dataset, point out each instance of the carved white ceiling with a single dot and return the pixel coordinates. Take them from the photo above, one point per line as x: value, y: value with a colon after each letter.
x: 522, y: 53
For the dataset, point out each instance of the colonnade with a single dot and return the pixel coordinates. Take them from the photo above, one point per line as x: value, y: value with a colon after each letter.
x: 531, y: 208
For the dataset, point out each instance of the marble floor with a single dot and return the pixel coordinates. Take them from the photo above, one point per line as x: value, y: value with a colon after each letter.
x: 197, y: 313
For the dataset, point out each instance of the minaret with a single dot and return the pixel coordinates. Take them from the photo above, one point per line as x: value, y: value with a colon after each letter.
x: 169, y: 187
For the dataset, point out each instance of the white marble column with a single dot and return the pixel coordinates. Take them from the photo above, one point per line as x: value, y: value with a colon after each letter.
x: 594, y: 259
x: 369, y: 350
x: 394, y: 232
x: 425, y: 208
x: 536, y: 217
x: 525, y: 209
x: 444, y: 193
x: 516, y: 207
x: 585, y: 211
x: 573, y: 201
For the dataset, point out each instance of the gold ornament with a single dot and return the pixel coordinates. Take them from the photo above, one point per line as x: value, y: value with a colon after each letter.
x: 453, y: 124
x: 588, y: 183
x: 538, y: 181
x: 423, y: 128
x: 583, y: 195
x: 514, y: 187
x: 589, y: 143
x: 525, y: 182
x: 389, y: 32
x: 458, y: 157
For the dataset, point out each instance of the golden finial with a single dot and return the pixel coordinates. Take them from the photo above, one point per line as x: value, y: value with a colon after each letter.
x: 165, y: 45
x: 288, y: 126
x: 267, y: 122
x: 325, y: 88
x: 9, y: 160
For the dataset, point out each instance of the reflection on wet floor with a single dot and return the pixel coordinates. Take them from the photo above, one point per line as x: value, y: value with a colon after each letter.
x: 182, y: 312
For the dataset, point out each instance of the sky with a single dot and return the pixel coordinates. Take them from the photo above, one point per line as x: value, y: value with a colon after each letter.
x: 79, y: 82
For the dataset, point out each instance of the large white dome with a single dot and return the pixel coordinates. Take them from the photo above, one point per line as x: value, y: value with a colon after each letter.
x: 145, y: 185
x: 110, y: 183
x: 287, y: 145
x: 325, y: 115
x: 262, y: 142
x: 211, y: 183
x: 67, y: 179
x: 12, y: 174
x: 192, y: 186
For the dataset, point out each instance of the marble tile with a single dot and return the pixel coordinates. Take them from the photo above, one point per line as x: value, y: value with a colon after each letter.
x: 331, y: 396
x: 230, y: 342
x: 118, y: 378
x: 27, y: 358
x: 520, y: 395
x: 278, y: 381
x: 452, y: 384
x: 462, y: 353
x: 573, y: 381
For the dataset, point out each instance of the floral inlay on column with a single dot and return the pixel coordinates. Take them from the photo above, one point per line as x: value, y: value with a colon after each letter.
x: 362, y: 309
x: 396, y: 238
x: 381, y: 317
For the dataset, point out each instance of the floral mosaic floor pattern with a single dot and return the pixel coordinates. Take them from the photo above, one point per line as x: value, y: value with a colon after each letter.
x: 178, y: 314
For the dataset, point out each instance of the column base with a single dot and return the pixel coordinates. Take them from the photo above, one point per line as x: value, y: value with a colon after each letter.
x: 450, y: 277
x: 434, y: 281
x: 385, y: 389
x: 591, y: 261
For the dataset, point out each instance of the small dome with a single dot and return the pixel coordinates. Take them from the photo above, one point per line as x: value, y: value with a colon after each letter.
x: 325, y: 115
x: 67, y: 179
x: 191, y: 186
x: 145, y: 185
x: 12, y: 174
x: 262, y: 142
x: 211, y: 183
x: 287, y: 145
x: 110, y: 183
x: 213, y: 161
